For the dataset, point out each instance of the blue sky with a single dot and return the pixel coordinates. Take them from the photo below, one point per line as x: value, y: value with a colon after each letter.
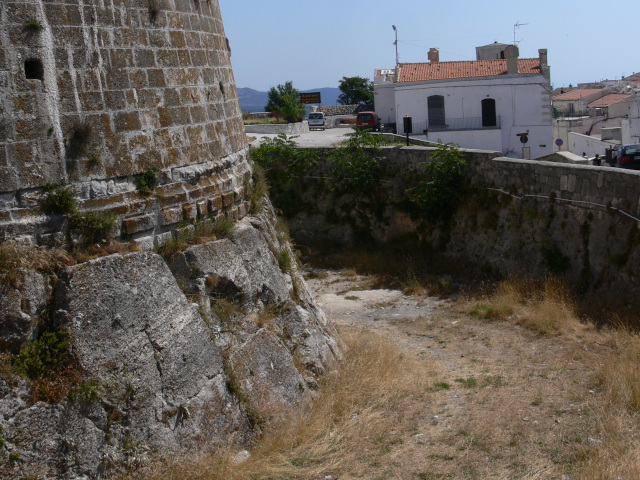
x: 316, y: 43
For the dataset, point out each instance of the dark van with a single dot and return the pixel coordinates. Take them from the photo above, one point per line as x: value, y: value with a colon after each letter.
x: 368, y: 121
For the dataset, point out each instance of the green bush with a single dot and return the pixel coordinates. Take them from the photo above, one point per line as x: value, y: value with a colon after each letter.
x: 33, y: 25
x: 438, y: 194
x: 285, y: 100
x: 146, y: 182
x: 284, y: 260
x: 94, y: 226
x: 60, y: 199
x: 49, y: 353
x: 281, y: 159
x: 355, y: 165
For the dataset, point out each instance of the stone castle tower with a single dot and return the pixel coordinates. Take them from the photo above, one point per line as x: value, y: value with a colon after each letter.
x: 94, y: 93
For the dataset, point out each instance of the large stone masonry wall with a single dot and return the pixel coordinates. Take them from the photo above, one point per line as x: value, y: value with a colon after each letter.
x: 520, y: 217
x: 94, y: 93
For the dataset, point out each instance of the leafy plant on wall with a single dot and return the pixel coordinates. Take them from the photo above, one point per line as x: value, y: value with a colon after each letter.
x: 438, y: 193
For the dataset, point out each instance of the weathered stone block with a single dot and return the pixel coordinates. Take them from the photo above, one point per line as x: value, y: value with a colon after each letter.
x: 227, y: 199
x: 215, y: 203
x: 140, y: 223
x: 126, y: 121
x: 202, y: 208
x: 190, y: 211
x: 171, y: 215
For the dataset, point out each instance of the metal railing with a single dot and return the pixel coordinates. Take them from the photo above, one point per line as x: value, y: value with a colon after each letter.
x: 454, y: 124
x: 465, y: 123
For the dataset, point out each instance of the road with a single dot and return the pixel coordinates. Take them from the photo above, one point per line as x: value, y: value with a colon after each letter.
x: 315, y: 138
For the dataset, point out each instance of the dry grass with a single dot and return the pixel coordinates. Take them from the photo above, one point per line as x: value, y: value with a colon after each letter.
x: 15, y: 256
x: 84, y: 253
x: 346, y: 430
x: 620, y: 372
x: 618, y: 417
x: 547, y: 308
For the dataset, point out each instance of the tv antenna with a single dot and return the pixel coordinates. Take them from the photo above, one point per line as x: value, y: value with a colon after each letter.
x: 516, y: 25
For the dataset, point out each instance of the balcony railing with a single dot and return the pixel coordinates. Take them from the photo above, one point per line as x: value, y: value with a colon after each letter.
x: 455, y: 124
x: 466, y: 123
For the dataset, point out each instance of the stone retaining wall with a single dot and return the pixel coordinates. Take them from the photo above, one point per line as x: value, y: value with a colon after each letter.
x: 518, y: 216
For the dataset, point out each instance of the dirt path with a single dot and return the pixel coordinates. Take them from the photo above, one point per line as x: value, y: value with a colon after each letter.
x: 505, y: 402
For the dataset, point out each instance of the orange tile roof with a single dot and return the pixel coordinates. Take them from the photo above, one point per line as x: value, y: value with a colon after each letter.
x: 577, y: 94
x: 424, y: 72
x: 608, y: 100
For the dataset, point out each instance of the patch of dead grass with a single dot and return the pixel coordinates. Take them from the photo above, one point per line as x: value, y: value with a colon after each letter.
x: 15, y: 256
x: 88, y: 252
x: 547, y: 307
x: 346, y: 430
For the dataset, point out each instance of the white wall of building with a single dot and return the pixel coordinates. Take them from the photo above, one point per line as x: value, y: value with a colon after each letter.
x: 523, y: 104
x: 580, y: 144
x: 384, y: 101
x: 476, y: 139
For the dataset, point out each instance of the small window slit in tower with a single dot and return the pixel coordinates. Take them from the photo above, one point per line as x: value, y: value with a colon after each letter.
x: 33, y: 69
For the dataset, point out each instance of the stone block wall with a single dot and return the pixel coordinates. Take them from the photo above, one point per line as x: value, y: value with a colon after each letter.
x: 607, y: 186
x: 520, y: 217
x: 94, y: 93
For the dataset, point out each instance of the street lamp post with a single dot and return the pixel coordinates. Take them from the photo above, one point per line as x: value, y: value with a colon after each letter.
x: 396, y: 44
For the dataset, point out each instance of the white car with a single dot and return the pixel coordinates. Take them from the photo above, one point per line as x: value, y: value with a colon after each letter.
x: 316, y: 120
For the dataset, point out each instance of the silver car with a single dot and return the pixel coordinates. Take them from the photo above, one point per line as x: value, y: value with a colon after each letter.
x: 316, y: 120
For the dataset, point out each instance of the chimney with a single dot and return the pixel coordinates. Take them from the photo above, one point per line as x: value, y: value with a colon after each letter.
x: 511, y: 54
x: 544, y: 67
x: 434, y: 55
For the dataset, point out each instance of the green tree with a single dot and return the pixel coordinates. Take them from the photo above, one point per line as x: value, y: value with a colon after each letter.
x: 355, y: 90
x: 285, y: 100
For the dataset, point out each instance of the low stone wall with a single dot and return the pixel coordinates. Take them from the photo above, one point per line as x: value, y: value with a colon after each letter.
x: 278, y: 128
x: 604, y: 186
x: 340, y: 110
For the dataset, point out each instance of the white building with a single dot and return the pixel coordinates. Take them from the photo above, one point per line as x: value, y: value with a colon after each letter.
x: 589, y: 121
x: 484, y: 104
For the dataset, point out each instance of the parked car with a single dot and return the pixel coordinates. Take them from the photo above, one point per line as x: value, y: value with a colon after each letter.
x: 628, y: 156
x: 316, y: 120
x: 368, y: 121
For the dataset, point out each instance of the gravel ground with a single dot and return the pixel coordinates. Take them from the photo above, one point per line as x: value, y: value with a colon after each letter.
x: 506, y: 402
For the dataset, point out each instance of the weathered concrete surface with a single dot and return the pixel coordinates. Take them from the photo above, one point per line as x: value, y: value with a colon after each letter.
x: 157, y: 373
x: 163, y: 377
x: 244, y: 269
x: 21, y: 301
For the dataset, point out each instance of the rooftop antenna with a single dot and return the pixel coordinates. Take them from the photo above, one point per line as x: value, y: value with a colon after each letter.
x: 517, y: 24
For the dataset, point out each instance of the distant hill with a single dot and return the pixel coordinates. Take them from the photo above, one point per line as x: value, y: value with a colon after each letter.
x: 254, y: 101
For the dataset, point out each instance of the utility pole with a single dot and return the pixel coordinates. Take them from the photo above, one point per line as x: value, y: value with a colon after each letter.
x: 396, y: 44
